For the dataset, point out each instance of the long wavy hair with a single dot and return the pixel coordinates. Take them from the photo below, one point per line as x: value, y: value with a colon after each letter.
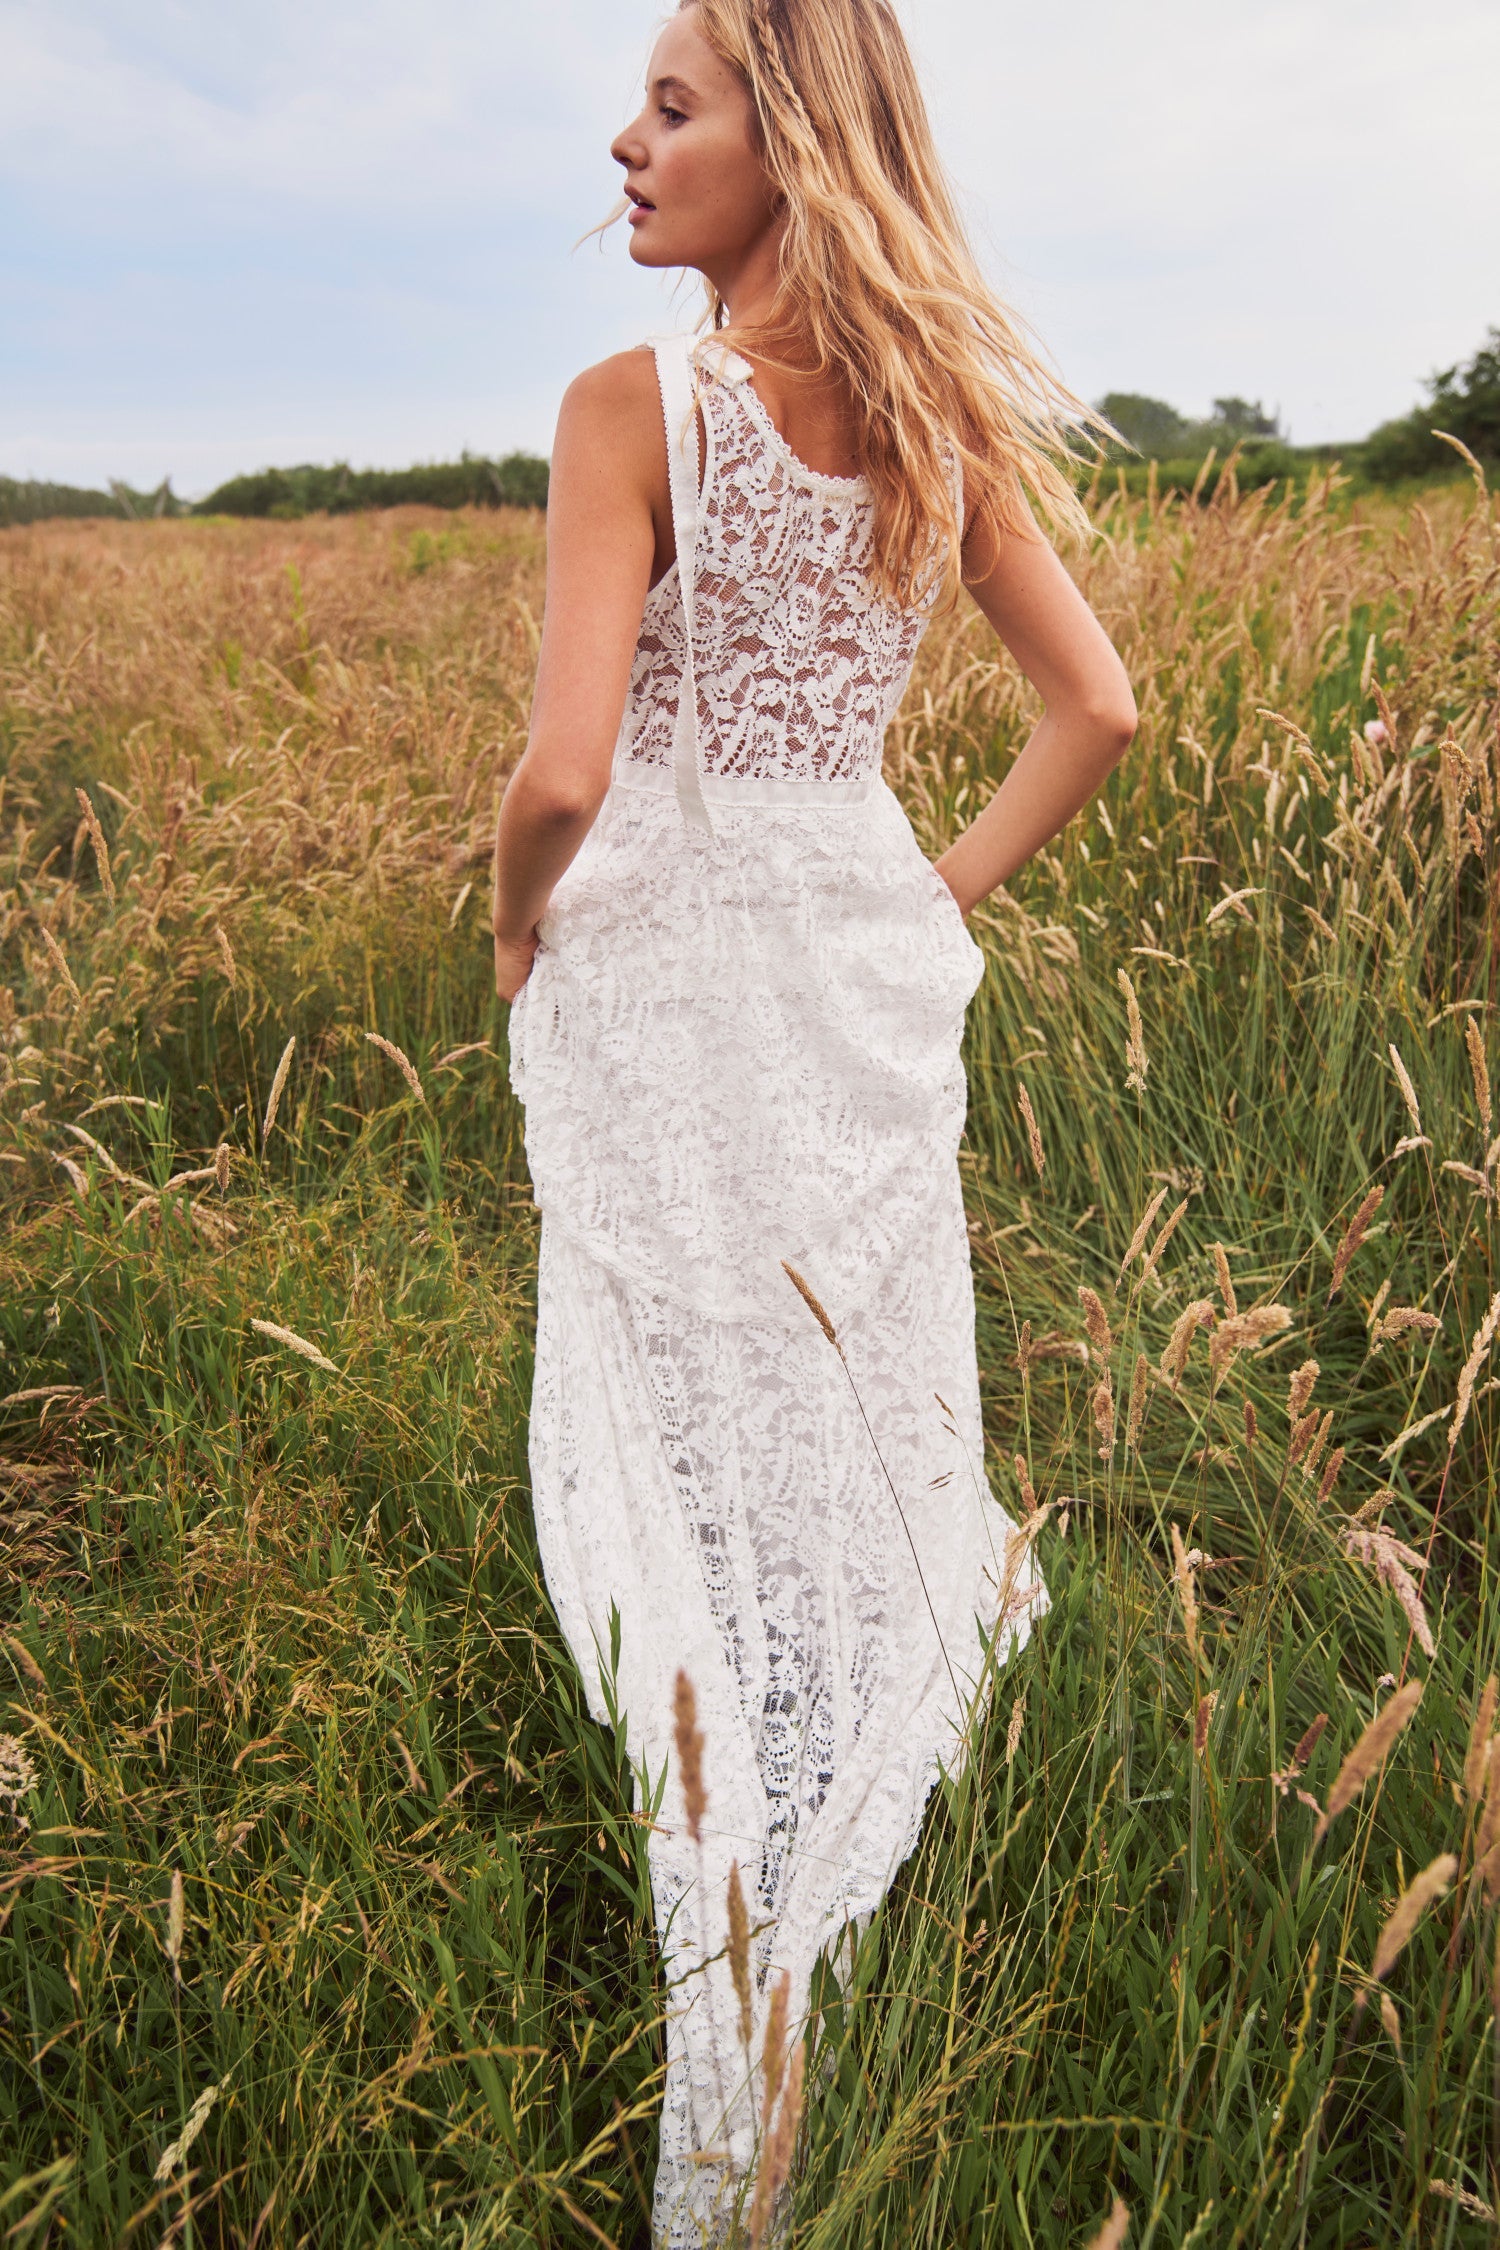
x: 878, y: 282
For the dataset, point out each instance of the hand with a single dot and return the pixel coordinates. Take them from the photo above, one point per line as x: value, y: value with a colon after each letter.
x: 513, y: 959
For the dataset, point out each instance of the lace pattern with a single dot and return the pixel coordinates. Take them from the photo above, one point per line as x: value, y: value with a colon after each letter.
x: 741, y: 1044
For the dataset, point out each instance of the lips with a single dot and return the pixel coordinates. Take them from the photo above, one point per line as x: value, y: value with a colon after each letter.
x: 638, y: 200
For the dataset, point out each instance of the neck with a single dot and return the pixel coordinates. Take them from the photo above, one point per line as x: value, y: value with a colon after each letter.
x: 750, y: 287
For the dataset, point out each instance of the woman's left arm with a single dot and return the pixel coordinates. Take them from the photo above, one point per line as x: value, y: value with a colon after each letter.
x: 1089, y: 715
x: 600, y: 543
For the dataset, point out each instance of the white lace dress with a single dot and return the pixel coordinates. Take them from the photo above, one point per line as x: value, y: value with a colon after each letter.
x: 739, y: 1045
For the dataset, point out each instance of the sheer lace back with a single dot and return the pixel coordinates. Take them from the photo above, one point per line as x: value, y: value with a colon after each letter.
x: 799, y: 670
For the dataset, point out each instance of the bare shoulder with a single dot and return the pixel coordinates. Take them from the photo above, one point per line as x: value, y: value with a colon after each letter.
x: 614, y: 402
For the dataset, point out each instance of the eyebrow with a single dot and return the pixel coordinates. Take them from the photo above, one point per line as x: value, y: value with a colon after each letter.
x: 671, y: 86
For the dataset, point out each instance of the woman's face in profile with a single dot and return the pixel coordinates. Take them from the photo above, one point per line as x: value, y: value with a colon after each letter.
x: 694, y: 173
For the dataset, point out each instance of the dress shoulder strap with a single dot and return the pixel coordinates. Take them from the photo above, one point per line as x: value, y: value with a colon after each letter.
x: 677, y: 376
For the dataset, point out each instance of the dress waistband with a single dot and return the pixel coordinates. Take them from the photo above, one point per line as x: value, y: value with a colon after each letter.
x: 746, y: 789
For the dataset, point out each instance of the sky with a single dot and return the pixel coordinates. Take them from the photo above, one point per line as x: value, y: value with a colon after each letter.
x: 294, y: 230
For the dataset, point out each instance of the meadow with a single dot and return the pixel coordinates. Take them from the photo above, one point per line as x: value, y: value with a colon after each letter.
x: 323, y: 1916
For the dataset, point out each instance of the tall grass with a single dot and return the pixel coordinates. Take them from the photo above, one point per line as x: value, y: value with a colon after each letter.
x: 322, y: 1918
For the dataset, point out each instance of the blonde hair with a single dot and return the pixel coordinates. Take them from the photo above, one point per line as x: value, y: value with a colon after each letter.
x: 878, y: 276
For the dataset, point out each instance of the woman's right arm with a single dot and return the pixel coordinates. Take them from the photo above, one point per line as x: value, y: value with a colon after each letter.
x: 1088, y: 716
x: 604, y: 502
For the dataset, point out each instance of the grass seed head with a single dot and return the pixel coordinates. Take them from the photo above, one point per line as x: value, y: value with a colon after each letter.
x: 1013, y: 1731
x: 96, y: 838
x: 1141, y: 1232
x: 1484, y: 1336
x: 1477, y: 1760
x: 1096, y: 1322
x: 1479, y: 1065
x: 689, y: 1754
x: 1245, y: 1330
x: 1331, y: 1470
x: 739, y: 1951
x: 226, y: 955
x: 273, y: 1099
x: 1225, y: 1279
x: 1136, y: 1412
x: 1408, y: 1090
x: 1300, y: 1389
x: 1434, y: 1880
x: 1369, y: 1753
x: 1169, y: 1227
x: 1033, y: 1132
x: 1187, y: 1592
x: 402, y: 1062
x: 1192, y: 1317
x: 1136, y: 1065
x: 1104, y: 1415
x: 1354, y: 1235
x: 814, y: 1307
x: 294, y: 1343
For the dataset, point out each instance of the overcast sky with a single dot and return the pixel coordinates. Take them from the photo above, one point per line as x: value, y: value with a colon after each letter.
x: 234, y: 234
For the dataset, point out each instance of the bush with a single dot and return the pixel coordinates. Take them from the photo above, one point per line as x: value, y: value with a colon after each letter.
x: 1464, y: 401
x: 473, y: 481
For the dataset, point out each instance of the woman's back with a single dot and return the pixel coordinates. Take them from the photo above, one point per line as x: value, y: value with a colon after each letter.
x: 798, y: 666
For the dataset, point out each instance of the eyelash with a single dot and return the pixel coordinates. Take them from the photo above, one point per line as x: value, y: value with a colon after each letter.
x: 680, y: 116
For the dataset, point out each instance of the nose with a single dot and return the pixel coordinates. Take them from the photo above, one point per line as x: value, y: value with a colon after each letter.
x: 627, y: 147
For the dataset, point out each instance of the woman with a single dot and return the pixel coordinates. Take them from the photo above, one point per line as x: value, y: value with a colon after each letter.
x: 738, y: 993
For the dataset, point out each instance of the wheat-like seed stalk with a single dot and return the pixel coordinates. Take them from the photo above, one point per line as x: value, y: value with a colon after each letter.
x: 1028, y: 1490
x: 1013, y: 1731
x: 1245, y: 1330
x: 689, y: 1754
x: 221, y: 1166
x: 273, y: 1100
x: 1201, y: 1720
x: 294, y: 1343
x: 96, y: 838
x: 773, y: 2051
x: 1391, y: 2019
x: 1300, y: 1389
x: 1136, y: 1411
x: 1477, y: 1759
x: 1369, y: 1754
x: 1096, y: 1321
x: 1233, y: 903
x: 1320, y: 1439
x: 1252, y: 1427
x: 1142, y: 1230
x: 172, y: 1944
x: 1187, y: 1592
x: 1330, y: 1478
x: 1354, y: 1235
x: 1225, y: 1279
x: 1479, y: 1065
x: 60, y: 962
x: 804, y: 1291
x: 739, y: 1951
x: 1435, y: 1879
x: 226, y: 955
x: 1033, y: 1131
x: 1388, y: 1557
x: 1104, y: 1415
x: 1398, y: 1320
x: 1484, y: 1336
x: 1475, y: 2205
x: 1174, y: 1357
x: 402, y: 1062
x: 193, y: 2125
x: 1408, y: 1090
x: 1136, y: 1065
x: 1169, y: 1227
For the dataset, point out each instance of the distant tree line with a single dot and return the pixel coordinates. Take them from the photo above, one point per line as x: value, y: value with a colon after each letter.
x: 519, y: 480
x: 1464, y: 400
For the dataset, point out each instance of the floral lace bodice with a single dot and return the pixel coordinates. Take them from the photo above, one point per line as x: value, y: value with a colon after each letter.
x: 799, y: 670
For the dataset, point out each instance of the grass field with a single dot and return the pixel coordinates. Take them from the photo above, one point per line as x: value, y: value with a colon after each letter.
x: 322, y: 1920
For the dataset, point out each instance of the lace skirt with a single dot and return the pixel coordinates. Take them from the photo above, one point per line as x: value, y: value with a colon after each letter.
x: 802, y: 1526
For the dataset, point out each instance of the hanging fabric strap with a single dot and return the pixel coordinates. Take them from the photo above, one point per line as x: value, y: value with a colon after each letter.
x: 679, y: 399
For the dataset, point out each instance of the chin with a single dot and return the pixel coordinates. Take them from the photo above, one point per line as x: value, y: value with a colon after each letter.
x: 648, y: 254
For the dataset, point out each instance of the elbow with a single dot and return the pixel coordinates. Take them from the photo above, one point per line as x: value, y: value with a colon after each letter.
x: 555, y: 800
x: 1112, y: 721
